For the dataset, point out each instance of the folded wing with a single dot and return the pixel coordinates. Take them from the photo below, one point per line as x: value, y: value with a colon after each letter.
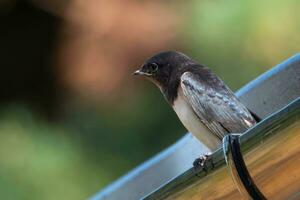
x: 215, y: 104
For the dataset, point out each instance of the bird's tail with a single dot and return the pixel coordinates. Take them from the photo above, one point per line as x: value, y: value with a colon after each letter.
x: 257, y: 118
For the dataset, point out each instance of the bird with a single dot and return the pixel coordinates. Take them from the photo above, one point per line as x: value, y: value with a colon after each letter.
x: 205, y: 105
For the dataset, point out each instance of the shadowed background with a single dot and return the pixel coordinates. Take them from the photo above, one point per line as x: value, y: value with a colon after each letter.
x: 73, y: 119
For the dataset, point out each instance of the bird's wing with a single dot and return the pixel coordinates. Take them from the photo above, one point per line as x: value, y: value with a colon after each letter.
x: 215, y: 104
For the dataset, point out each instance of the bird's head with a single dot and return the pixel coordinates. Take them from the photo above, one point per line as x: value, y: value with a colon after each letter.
x: 164, y: 67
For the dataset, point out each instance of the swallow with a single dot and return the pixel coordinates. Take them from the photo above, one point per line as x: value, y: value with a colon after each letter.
x: 204, y: 104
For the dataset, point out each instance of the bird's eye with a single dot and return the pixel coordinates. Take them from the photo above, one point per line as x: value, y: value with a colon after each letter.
x: 153, y: 67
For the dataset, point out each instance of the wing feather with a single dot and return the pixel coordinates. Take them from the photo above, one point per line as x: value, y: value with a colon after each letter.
x: 217, y: 108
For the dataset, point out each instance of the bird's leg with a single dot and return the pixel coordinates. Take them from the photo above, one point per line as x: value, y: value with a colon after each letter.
x: 205, y: 161
x: 202, y: 162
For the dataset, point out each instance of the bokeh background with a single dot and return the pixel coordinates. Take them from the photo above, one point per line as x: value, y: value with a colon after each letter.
x: 73, y: 119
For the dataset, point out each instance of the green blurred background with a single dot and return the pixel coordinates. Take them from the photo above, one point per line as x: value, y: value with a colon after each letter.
x: 73, y: 119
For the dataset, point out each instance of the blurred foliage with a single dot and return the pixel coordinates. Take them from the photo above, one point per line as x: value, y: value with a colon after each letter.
x: 88, y: 145
x: 42, y: 161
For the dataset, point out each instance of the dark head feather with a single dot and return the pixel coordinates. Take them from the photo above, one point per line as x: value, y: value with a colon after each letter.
x: 165, y: 70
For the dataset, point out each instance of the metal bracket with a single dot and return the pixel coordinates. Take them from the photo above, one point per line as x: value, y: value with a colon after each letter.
x: 238, y: 170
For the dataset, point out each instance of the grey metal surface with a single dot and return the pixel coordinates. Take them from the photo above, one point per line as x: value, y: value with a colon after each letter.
x: 264, y: 95
x: 274, y: 89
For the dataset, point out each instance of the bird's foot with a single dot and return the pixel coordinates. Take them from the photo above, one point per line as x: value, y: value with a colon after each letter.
x: 202, y: 162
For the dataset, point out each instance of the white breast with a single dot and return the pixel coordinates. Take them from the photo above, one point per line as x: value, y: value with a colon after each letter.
x: 191, y: 122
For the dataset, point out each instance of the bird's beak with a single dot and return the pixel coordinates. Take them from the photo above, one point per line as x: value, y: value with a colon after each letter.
x: 140, y: 72
x: 137, y: 72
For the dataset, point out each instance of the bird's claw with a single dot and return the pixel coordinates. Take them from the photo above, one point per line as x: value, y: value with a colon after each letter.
x: 202, y: 162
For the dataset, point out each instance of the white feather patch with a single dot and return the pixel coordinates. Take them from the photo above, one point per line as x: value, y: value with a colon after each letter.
x: 192, y: 123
